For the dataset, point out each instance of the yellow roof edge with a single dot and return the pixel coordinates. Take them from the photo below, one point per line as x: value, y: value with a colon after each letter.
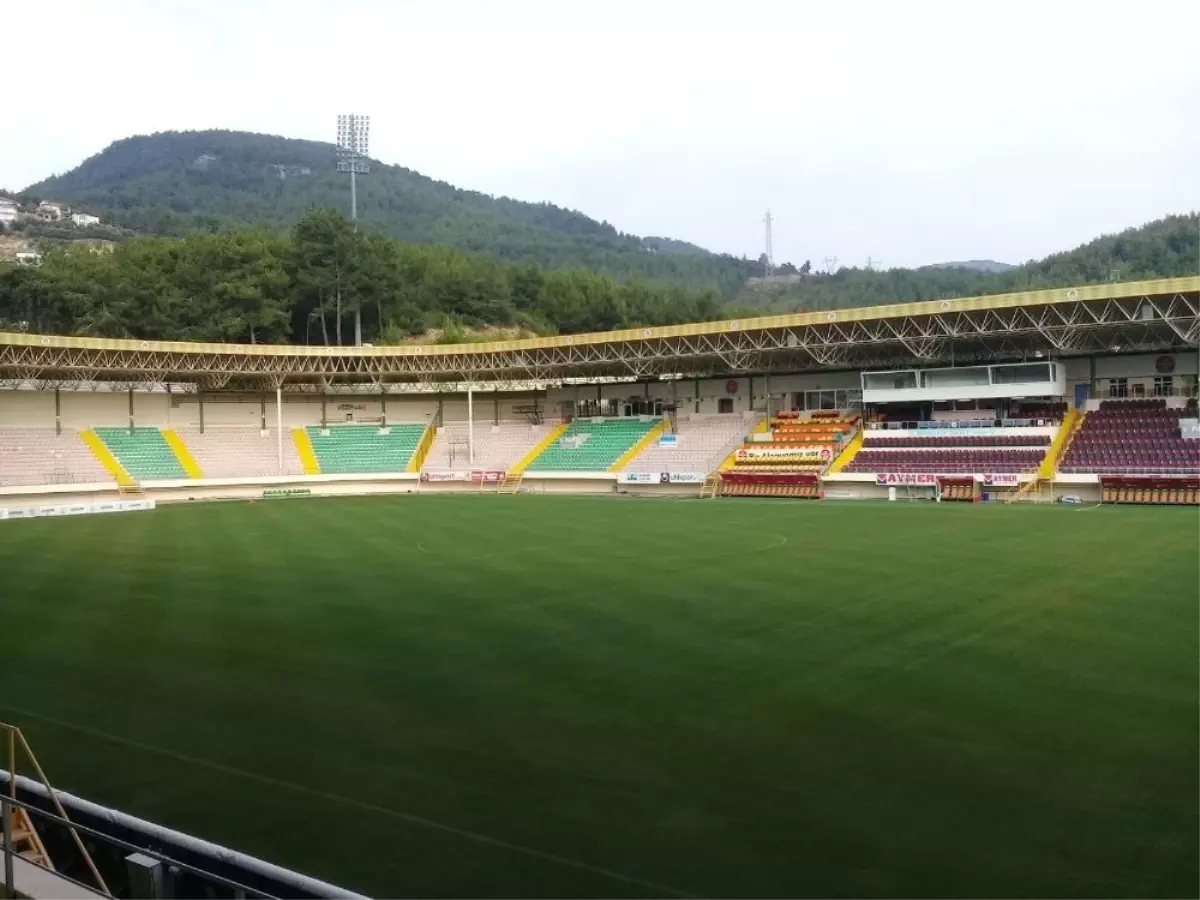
x: 1126, y: 290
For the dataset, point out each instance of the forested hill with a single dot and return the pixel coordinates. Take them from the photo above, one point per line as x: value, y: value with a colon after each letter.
x: 173, y: 183
x: 1163, y: 248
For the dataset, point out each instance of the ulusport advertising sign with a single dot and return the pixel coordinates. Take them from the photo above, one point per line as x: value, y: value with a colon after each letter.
x: 661, y: 477
x: 485, y: 476
x: 445, y: 476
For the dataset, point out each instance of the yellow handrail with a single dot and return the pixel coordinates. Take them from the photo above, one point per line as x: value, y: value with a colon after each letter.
x: 15, y: 736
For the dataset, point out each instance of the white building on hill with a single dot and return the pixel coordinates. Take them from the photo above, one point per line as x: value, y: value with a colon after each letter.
x: 8, y: 211
x: 84, y: 220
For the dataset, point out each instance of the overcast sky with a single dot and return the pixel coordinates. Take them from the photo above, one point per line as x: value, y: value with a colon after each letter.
x: 909, y: 132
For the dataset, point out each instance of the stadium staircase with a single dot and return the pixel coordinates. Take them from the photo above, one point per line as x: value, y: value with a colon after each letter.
x: 364, y: 449
x: 711, y: 485
x: 1058, y: 446
x: 422, y: 451
x: 183, y: 453
x: 26, y: 842
x: 644, y: 442
x: 554, y: 434
x: 848, y: 453
x: 1030, y: 490
x: 142, y: 452
x: 731, y: 460
x: 111, y: 464
x: 592, y: 445
x: 510, y: 483
x: 304, y: 449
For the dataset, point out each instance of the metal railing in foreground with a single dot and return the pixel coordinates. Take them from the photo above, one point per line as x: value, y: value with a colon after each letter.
x: 140, y: 859
x: 156, y: 868
x: 13, y: 738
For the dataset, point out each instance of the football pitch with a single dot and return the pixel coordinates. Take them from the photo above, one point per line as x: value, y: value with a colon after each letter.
x: 541, y: 696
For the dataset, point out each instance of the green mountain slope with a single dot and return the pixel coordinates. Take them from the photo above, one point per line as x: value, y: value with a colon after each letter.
x: 173, y: 183
x: 1163, y: 248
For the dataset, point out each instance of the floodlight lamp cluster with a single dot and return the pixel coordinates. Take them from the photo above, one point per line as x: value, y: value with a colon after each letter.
x: 353, y: 136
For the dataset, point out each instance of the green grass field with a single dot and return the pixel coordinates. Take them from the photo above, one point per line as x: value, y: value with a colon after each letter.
x: 538, y: 696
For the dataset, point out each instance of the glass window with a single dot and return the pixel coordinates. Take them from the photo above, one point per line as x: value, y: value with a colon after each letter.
x: 1163, y: 385
x: 724, y: 404
x: 1118, y: 387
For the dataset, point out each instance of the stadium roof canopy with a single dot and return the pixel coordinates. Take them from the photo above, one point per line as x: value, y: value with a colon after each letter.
x: 1145, y: 316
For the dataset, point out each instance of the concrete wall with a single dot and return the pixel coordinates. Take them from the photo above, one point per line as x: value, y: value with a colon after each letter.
x: 27, y: 408
x: 84, y: 409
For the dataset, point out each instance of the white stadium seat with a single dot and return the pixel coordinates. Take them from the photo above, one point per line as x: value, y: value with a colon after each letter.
x: 30, y: 455
x: 702, y: 443
x: 239, y: 452
x: 497, y: 447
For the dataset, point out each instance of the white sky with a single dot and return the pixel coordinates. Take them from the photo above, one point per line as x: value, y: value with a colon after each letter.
x: 911, y: 132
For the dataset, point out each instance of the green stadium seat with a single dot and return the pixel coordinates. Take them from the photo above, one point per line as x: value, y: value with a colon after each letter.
x: 604, y: 441
x: 143, y: 452
x: 349, y: 449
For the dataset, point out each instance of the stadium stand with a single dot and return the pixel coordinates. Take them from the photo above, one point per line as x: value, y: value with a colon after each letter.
x: 143, y: 452
x: 1132, y: 437
x: 963, y: 441
x: 701, y: 443
x: 31, y: 455
x: 496, y: 446
x: 240, y: 452
x: 948, y: 461
x: 792, y: 444
x: 350, y: 449
x: 787, y: 459
x: 592, y: 445
x: 965, y: 446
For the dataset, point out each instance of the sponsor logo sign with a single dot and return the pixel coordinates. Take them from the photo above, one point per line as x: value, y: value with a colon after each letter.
x: 999, y: 479
x: 639, y: 478
x: 668, y: 440
x: 487, y: 476
x: 817, y: 452
x: 445, y: 476
x: 661, y: 477
x: 74, y: 509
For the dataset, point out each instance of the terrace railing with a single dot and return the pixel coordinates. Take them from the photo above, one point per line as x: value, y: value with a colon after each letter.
x: 14, y: 739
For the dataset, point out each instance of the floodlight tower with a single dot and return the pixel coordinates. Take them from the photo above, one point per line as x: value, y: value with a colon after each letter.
x: 353, y: 134
x: 770, y: 254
